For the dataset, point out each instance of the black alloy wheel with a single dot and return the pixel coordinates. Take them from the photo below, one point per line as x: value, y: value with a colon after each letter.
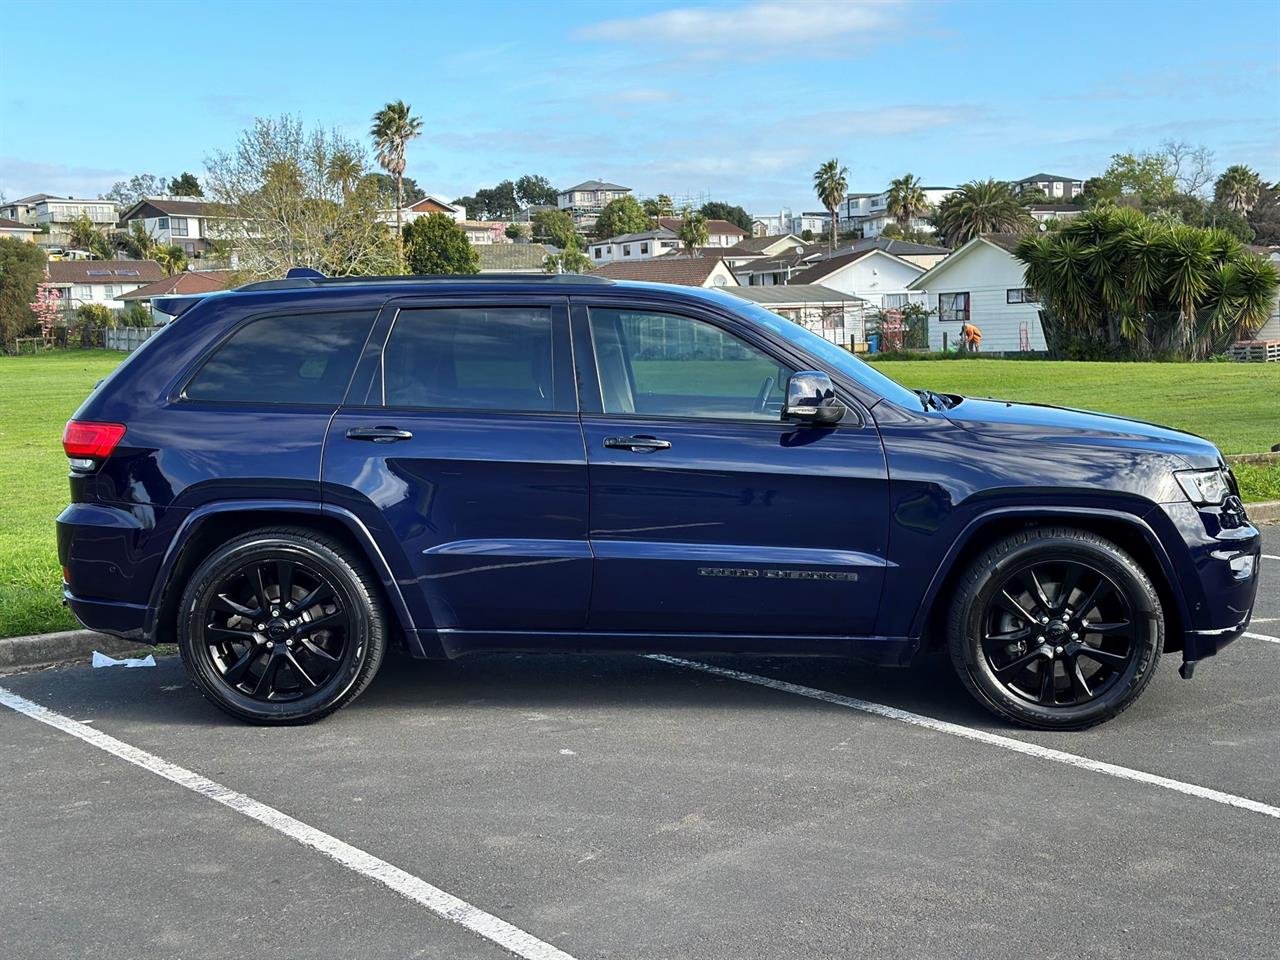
x: 281, y: 625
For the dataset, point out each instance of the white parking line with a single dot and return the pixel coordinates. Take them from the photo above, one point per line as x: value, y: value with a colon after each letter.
x: 955, y: 729
x: 1267, y: 556
x: 1263, y: 636
x: 439, y: 902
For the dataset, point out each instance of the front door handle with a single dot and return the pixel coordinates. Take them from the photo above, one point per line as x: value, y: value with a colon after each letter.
x: 379, y: 434
x: 637, y: 444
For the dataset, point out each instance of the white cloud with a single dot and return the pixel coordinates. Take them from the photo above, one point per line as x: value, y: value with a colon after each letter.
x: 20, y: 177
x: 765, y: 24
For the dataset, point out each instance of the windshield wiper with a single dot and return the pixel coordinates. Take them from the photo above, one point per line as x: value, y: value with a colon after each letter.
x: 933, y: 399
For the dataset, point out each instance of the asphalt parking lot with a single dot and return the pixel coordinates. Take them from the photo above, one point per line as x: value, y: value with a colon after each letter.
x: 626, y: 807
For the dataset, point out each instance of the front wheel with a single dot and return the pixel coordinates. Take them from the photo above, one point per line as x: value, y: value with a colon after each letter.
x: 1055, y: 628
x: 281, y: 626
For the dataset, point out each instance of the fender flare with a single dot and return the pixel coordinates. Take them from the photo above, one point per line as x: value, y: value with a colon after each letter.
x: 1050, y: 513
x: 196, y: 519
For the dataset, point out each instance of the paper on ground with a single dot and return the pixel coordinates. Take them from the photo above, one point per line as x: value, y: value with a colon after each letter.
x: 102, y: 660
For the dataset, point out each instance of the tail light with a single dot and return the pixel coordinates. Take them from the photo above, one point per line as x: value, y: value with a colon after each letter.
x: 84, y: 439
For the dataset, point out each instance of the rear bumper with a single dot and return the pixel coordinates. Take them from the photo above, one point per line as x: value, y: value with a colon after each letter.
x: 115, y: 617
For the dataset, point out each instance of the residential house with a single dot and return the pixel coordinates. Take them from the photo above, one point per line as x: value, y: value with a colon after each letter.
x: 585, y: 200
x: 1044, y: 212
x: 983, y: 283
x: 427, y: 206
x: 483, y: 232
x: 878, y: 277
x: 1052, y: 185
x: 835, y: 316
x: 777, y: 268
x: 55, y: 216
x: 720, y: 233
x: 700, y: 271
x: 771, y: 225
x: 188, y: 222
x: 79, y: 282
x: 1271, y: 329
x: 921, y: 254
x: 512, y: 257
x: 868, y: 213
x: 180, y: 284
x: 818, y: 222
x: 765, y: 246
x: 644, y: 245
x: 17, y: 231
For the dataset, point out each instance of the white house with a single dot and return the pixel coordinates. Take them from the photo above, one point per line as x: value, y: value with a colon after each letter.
x: 818, y: 222
x: 882, y: 279
x: 869, y: 214
x: 983, y: 283
x: 720, y: 233
x: 427, y: 206
x: 1044, y: 212
x: 17, y: 231
x: 1052, y: 185
x: 835, y: 316
x: 189, y: 222
x: 634, y: 246
x: 1271, y: 329
x: 57, y: 215
x: 589, y: 196
x: 79, y: 282
x: 777, y: 268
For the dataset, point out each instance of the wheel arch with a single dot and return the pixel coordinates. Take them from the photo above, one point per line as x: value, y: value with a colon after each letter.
x: 205, y: 528
x: 1128, y: 531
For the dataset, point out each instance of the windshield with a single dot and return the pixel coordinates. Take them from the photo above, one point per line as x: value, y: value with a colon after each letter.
x: 835, y: 356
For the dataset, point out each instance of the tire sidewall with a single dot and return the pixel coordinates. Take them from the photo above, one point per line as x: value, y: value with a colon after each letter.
x: 1144, y: 604
x: 200, y: 665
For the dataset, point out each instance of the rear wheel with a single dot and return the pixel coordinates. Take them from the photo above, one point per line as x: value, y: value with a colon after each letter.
x: 1055, y: 628
x: 281, y: 626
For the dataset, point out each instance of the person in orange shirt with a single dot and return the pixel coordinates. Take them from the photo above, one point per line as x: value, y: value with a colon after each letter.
x: 970, y: 337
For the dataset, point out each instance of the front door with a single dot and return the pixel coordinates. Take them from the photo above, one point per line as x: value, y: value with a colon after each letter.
x: 464, y: 456
x: 709, y: 514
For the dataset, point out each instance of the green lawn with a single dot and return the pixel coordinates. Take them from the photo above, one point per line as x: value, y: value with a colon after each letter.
x: 1235, y: 405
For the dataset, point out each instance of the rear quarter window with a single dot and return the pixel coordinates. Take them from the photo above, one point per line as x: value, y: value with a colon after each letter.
x: 295, y: 358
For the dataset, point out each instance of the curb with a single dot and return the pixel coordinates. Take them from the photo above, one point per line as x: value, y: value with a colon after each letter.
x: 45, y: 648
x: 1265, y: 510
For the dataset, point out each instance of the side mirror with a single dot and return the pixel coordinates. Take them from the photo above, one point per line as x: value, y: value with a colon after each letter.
x: 812, y: 399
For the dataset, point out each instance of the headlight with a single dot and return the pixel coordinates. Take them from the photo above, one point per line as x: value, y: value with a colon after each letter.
x: 1204, y: 487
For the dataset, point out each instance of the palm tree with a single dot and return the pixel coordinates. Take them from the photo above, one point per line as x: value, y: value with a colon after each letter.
x: 345, y: 168
x: 981, y: 206
x: 172, y: 258
x: 393, y: 127
x: 1238, y: 188
x: 830, y: 183
x: 906, y: 199
x: 693, y: 231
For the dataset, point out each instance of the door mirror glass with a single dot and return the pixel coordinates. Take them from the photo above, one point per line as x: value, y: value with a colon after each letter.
x: 812, y: 399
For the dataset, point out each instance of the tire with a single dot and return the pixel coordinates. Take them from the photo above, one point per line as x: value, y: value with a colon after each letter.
x: 260, y: 658
x: 1027, y: 648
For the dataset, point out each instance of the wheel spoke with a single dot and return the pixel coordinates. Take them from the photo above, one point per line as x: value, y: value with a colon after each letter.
x: 1101, y: 590
x: 319, y: 594
x: 1024, y: 661
x: 297, y: 668
x: 1115, y: 627
x: 1038, y: 590
x: 320, y: 623
x: 266, y: 682
x: 1012, y: 636
x: 213, y: 634
x: 238, y: 669
x: 316, y: 650
x: 227, y: 605
x: 1013, y: 606
x: 1079, y: 685
x: 1103, y: 656
x: 284, y: 577
x: 260, y: 589
x: 1070, y: 578
x: 1048, y: 682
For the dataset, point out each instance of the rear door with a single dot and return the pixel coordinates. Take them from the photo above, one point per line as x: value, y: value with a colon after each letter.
x: 708, y: 513
x: 460, y: 446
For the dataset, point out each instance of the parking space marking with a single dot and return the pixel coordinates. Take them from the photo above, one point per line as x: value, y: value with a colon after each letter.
x: 439, y: 902
x: 1263, y: 636
x: 1267, y: 556
x: 982, y: 736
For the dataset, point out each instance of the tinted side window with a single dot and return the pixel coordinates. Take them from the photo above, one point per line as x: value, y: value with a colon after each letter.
x: 667, y: 365
x: 303, y: 358
x: 469, y: 358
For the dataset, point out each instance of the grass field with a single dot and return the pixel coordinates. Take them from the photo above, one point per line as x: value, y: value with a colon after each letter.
x: 1235, y: 405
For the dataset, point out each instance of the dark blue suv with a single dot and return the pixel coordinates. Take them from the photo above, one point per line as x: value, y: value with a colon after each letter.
x: 293, y: 475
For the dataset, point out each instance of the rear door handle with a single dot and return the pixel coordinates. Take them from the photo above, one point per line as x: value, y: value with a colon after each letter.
x: 379, y: 434
x: 637, y: 444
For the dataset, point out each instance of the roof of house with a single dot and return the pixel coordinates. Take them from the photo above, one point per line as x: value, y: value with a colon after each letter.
x: 900, y: 248
x: 35, y: 198
x: 686, y: 271
x: 824, y: 268
x: 167, y: 207
x: 1055, y: 207
x: 859, y: 196
x: 794, y: 257
x: 1047, y: 176
x: 761, y: 244
x: 794, y: 293
x: 722, y: 227
x: 658, y: 233
x: 104, y: 271
x: 594, y: 185
x: 7, y: 224
x: 433, y: 203
x: 1008, y: 242
x: 511, y: 257
x: 204, y: 281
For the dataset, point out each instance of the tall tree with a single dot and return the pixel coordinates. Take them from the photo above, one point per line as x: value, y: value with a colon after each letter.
x: 831, y: 183
x: 569, y: 260
x: 623, y: 215
x: 1238, y: 188
x: 393, y: 127
x: 1190, y: 166
x: 85, y: 235
x: 437, y: 244
x: 22, y: 270
x: 535, y: 190
x: 345, y: 169
x: 185, y: 185
x: 128, y: 192
x: 906, y: 199
x: 693, y: 231
x: 171, y: 257
x: 1264, y: 218
x: 556, y: 227
x: 1144, y: 176
x: 981, y: 206
x: 719, y: 210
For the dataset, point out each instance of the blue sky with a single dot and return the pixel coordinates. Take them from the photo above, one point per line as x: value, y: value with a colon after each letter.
x: 741, y: 100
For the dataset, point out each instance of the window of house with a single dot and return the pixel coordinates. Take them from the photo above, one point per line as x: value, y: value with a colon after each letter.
x: 162, y: 223
x: 83, y: 291
x: 672, y: 366
x: 1021, y: 295
x: 953, y: 306
x: 299, y: 358
x: 109, y: 291
x: 179, y: 226
x: 598, y: 254
x: 471, y: 358
x: 644, y: 248
x: 894, y: 301
x: 626, y: 249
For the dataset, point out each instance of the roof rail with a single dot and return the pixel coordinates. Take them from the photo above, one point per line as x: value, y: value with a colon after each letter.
x: 301, y: 277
